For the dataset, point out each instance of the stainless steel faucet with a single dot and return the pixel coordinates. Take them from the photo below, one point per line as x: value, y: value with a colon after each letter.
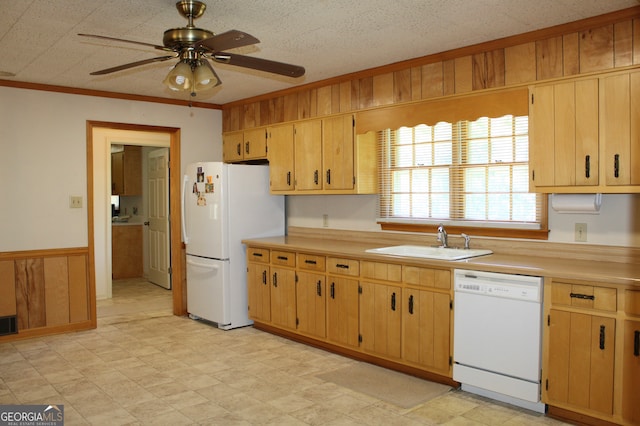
x: 442, y: 236
x: 467, y: 241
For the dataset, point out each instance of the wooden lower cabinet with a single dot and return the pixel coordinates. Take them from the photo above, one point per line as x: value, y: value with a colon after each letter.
x: 126, y: 251
x: 311, y: 305
x: 631, y: 368
x: 259, y: 291
x: 426, y: 325
x: 380, y: 319
x: 283, y: 297
x: 342, y: 311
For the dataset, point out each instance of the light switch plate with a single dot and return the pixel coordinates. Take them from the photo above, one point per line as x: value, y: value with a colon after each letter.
x: 581, y: 232
x: 75, y: 201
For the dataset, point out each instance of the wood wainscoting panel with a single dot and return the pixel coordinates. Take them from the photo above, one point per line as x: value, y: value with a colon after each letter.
x: 56, y: 290
x: 570, y: 54
x: 596, y: 49
x: 78, y: 289
x: 549, y: 58
x: 623, y: 44
x: 7, y: 288
x: 30, y: 298
x: 432, y: 80
x: 520, y: 63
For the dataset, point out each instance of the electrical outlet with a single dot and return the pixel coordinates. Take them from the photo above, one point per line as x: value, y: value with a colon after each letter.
x: 75, y: 202
x: 581, y: 232
x: 325, y: 220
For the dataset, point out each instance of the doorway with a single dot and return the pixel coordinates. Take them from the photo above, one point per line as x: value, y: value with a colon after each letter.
x: 100, y: 136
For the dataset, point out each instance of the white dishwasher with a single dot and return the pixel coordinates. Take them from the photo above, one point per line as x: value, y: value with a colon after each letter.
x: 497, y: 336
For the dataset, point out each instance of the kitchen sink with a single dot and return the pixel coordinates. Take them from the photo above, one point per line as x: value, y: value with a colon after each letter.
x: 428, y: 252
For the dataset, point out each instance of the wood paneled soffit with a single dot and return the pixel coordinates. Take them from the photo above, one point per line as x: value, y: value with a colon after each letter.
x: 590, y: 45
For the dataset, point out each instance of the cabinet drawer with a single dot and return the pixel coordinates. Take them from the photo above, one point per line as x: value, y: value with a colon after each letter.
x: 632, y: 302
x: 584, y: 296
x: 436, y: 278
x: 337, y: 265
x: 311, y: 262
x: 381, y: 271
x: 283, y: 258
x: 257, y: 255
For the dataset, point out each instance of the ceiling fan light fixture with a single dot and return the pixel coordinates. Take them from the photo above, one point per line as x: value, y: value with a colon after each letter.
x: 180, y: 78
x: 204, y: 76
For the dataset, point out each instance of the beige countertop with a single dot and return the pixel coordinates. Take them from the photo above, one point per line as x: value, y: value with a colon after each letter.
x: 558, y: 268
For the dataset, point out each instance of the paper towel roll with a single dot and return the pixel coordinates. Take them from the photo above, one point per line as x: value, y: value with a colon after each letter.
x: 576, y: 203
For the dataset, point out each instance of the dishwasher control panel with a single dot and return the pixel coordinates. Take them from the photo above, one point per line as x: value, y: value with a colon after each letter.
x: 521, y: 287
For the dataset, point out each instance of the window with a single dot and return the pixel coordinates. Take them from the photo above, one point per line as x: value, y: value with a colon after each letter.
x: 468, y: 173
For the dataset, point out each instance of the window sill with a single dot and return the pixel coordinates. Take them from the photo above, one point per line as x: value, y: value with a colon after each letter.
x: 532, y: 234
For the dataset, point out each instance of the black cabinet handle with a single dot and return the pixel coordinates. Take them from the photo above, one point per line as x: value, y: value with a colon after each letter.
x: 283, y: 258
x: 636, y: 343
x: 319, y: 288
x: 582, y: 296
x: 315, y: 177
x: 310, y: 262
x: 587, y: 166
x: 616, y: 165
x: 275, y: 279
x: 329, y: 176
x: 257, y: 254
x: 393, y: 301
x: 238, y: 149
x: 602, y: 337
x: 342, y: 266
x: 264, y: 277
x: 411, y: 304
x: 288, y: 178
x: 333, y: 290
x: 246, y: 147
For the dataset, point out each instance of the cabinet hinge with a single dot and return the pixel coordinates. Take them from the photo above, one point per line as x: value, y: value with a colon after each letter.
x: 451, y: 305
x: 170, y: 270
x: 548, y: 320
x: 546, y: 384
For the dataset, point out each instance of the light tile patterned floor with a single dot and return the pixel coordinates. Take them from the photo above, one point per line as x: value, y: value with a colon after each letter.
x: 143, y: 366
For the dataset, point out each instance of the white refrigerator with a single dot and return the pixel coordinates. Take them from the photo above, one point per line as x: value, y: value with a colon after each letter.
x: 221, y: 205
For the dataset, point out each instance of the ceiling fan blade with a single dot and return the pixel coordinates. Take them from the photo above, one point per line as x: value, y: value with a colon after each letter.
x: 155, y: 46
x: 131, y: 65
x: 259, y: 64
x: 227, y: 40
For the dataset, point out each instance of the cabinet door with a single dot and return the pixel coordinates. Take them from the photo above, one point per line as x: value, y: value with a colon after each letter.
x: 311, y: 295
x: 259, y: 291
x: 232, y: 147
x: 631, y: 376
x: 117, y: 173
x: 283, y: 297
x: 621, y: 130
x: 255, y: 144
x: 380, y: 319
x: 541, y: 136
x: 281, y: 158
x: 342, y: 311
x: 308, y: 155
x: 426, y: 322
x: 132, y: 170
x: 337, y: 152
x: 581, y: 356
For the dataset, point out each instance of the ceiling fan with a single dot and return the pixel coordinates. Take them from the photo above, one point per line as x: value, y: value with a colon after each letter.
x: 195, y: 47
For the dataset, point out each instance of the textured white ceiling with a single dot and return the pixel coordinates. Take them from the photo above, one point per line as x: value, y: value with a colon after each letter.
x: 39, y: 42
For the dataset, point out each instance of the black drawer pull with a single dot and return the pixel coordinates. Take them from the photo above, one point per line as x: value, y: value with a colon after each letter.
x: 333, y: 290
x: 310, y: 262
x: 256, y: 254
x: 275, y: 279
x: 283, y: 258
x: 393, y: 301
x: 342, y: 266
x: 582, y: 296
x: 587, y: 166
x: 636, y: 343
x: 411, y: 304
x: 602, y: 337
x: 616, y: 165
x: 319, y: 288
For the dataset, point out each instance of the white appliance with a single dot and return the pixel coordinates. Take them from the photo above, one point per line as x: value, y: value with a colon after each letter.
x: 497, y: 336
x: 221, y: 205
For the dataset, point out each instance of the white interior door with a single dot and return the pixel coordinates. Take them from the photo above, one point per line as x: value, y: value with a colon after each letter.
x: 158, y: 181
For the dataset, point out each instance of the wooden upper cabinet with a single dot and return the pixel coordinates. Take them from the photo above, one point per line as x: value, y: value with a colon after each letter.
x: 621, y: 130
x: 563, y: 134
x: 308, y: 155
x: 126, y: 171
x: 337, y: 152
x: 243, y: 146
x: 281, y: 159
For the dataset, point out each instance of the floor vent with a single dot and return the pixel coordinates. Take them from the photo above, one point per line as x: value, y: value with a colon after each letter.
x: 8, y: 325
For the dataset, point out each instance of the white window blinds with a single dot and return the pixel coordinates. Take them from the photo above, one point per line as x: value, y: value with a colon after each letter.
x: 472, y: 173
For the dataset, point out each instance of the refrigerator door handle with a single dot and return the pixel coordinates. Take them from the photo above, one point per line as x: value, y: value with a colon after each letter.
x: 185, y: 238
x: 202, y: 265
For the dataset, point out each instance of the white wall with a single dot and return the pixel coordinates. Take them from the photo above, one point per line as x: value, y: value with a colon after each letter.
x: 618, y: 223
x: 43, y: 158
